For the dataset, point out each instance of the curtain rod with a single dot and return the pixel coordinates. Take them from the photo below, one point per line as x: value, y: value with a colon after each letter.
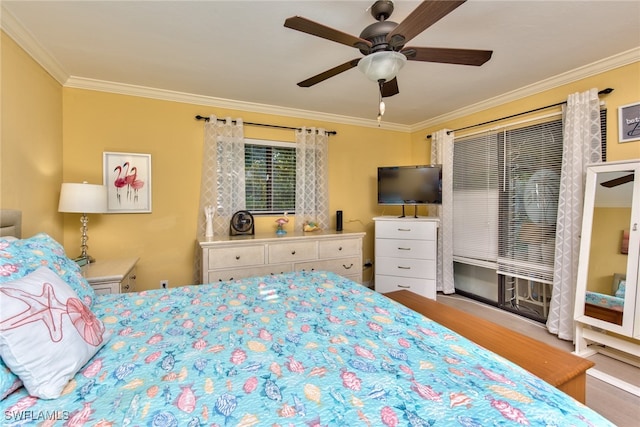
x: 206, y: 119
x: 602, y: 92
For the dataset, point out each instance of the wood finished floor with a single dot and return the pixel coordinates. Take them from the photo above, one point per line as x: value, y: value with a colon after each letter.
x: 620, y: 407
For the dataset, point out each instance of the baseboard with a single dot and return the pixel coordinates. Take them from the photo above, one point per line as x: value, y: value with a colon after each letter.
x: 614, y: 381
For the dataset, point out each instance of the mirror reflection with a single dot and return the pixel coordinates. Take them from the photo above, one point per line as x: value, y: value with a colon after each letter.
x: 605, y: 293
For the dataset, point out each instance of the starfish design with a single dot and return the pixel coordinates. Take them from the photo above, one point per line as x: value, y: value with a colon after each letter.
x: 44, y: 307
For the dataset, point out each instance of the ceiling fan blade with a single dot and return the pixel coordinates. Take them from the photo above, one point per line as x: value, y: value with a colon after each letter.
x: 422, y: 17
x: 319, y: 30
x: 329, y: 73
x: 617, y: 181
x: 390, y: 88
x: 448, y: 56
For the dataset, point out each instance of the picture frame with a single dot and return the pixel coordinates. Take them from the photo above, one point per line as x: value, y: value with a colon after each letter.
x: 629, y: 122
x: 127, y: 177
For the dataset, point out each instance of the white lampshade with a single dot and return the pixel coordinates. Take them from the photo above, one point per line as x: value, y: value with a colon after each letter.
x: 83, y: 198
x: 382, y: 65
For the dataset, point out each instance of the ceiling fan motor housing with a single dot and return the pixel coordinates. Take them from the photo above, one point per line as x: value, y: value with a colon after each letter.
x: 376, y: 33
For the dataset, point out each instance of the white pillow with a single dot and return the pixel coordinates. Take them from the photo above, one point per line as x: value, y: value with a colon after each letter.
x: 46, y: 333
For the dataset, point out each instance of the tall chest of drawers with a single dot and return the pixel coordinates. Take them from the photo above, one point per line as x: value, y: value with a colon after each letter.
x: 236, y: 257
x: 406, y: 253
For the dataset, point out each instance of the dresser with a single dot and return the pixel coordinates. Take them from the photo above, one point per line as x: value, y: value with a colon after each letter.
x: 111, y: 276
x: 236, y: 257
x: 406, y: 251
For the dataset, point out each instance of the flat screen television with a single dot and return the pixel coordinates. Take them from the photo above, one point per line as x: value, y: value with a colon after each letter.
x: 410, y: 185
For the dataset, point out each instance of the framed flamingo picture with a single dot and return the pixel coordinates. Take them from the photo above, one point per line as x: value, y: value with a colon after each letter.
x: 127, y: 177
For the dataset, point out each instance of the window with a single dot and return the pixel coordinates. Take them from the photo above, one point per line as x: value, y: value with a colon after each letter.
x: 270, y: 176
x: 505, y: 200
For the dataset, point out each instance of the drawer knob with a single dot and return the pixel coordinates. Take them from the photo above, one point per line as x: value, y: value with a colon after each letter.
x: 133, y: 277
x: 293, y: 252
x: 404, y: 249
x: 348, y: 267
x: 340, y: 248
x: 237, y: 257
x: 404, y: 229
x: 404, y: 286
x: 404, y: 268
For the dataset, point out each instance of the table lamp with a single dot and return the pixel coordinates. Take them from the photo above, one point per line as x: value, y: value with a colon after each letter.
x: 83, y: 198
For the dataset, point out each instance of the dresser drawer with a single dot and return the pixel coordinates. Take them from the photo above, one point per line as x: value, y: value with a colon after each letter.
x: 239, y: 256
x: 406, y: 267
x: 292, y: 252
x: 424, y: 287
x: 339, y: 248
x: 241, y: 273
x: 417, y: 230
x: 343, y: 266
x: 405, y: 248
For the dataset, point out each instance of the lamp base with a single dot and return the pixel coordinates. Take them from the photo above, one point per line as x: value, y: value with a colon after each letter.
x: 83, y: 260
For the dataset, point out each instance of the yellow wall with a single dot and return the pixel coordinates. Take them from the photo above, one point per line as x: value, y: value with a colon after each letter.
x: 605, y: 258
x: 624, y: 81
x: 31, y: 141
x: 95, y: 122
x: 52, y: 134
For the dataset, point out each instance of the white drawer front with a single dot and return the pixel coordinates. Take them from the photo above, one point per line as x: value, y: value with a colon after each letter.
x: 424, y: 287
x: 240, y: 256
x: 129, y: 282
x: 240, y: 273
x: 420, y: 230
x: 339, y: 248
x: 343, y: 266
x: 406, y: 267
x: 406, y: 248
x: 354, y: 277
x: 106, y: 288
x: 292, y: 252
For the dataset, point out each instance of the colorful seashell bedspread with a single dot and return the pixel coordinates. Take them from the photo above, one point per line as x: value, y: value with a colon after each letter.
x: 604, y: 300
x: 303, y: 349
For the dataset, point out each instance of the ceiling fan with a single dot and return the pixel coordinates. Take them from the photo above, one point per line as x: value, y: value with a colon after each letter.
x: 383, y: 44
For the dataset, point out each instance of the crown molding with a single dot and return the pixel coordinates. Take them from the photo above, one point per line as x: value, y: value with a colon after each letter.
x: 17, y: 31
x: 210, y: 101
x: 624, y: 58
x: 14, y: 29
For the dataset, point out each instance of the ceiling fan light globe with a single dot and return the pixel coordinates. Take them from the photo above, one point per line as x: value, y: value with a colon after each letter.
x: 382, y: 65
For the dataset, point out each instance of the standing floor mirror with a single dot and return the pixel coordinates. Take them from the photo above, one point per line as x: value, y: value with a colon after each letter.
x: 607, y: 304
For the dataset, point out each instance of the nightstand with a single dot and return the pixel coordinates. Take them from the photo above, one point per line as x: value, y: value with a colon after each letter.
x: 111, y: 276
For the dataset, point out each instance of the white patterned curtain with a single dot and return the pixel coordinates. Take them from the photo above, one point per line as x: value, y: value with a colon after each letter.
x: 442, y: 153
x: 581, y: 146
x: 312, y: 186
x: 223, y: 182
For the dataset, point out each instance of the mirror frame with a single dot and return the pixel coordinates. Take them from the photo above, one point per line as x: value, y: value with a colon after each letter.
x: 630, y: 322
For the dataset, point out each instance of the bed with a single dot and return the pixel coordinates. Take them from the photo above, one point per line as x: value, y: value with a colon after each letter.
x: 607, y: 307
x: 303, y: 348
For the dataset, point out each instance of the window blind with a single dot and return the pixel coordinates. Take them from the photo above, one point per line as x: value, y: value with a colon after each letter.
x: 270, y: 177
x: 475, y: 200
x: 530, y: 163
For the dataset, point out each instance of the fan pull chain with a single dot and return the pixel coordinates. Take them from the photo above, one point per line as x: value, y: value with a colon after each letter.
x: 381, y: 106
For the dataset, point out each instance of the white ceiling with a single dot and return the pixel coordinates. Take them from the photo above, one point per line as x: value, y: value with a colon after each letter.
x: 240, y: 50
